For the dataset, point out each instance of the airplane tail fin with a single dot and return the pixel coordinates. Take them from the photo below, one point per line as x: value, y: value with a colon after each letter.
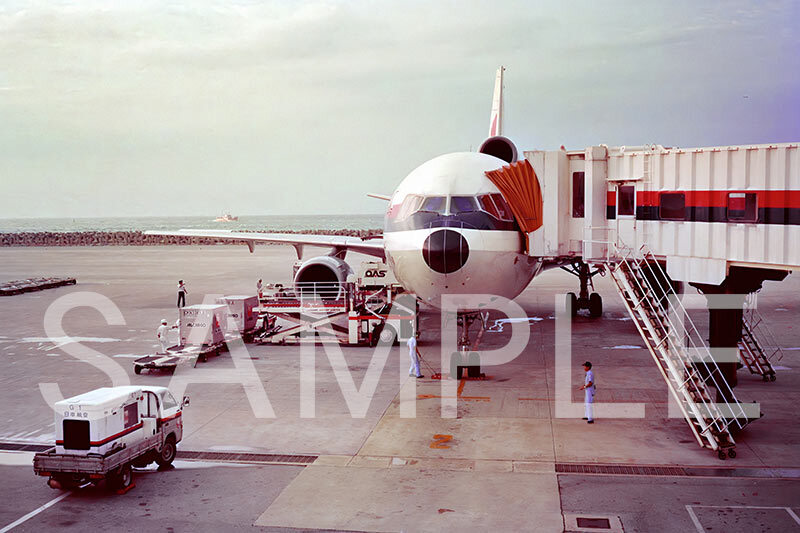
x: 496, y: 118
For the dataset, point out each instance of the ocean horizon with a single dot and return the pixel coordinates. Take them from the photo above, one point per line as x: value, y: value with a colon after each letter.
x: 275, y: 223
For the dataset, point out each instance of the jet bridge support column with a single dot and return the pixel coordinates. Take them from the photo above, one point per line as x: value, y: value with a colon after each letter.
x: 595, y: 232
x: 725, y: 315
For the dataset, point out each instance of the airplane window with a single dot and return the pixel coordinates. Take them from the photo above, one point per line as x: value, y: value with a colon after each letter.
x: 495, y: 205
x: 433, y: 204
x: 488, y: 205
x: 502, y: 207
x: 410, y: 205
x: 462, y: 204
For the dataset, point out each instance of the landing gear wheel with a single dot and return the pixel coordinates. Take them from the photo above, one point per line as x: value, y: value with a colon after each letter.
x: 773, y: 377
x: 122, y: 478
x: 572, y: 304
x: 731, y: 453
x: 168, y: 452
x: 595, y: 305
x: 137, y: 370
x: 721, y: 454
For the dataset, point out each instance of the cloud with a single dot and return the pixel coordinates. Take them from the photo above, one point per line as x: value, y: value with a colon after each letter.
x: 165, y: 101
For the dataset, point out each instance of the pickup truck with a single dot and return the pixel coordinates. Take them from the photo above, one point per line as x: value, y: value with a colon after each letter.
x: 103, y: 434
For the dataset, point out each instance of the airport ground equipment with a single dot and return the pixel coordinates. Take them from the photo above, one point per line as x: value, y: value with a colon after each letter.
x: 180, y: 355
x: 240, y: 315
x: 679, y: 351
x: 342, y: 311
x: 202, y: 324
x: 758, y: 347
x: 104, y: 433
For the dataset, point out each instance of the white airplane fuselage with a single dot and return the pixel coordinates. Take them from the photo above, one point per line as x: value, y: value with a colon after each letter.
x: 449, y: 231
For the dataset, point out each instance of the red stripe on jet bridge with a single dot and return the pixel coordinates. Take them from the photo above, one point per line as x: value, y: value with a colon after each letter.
x: 787, y: 199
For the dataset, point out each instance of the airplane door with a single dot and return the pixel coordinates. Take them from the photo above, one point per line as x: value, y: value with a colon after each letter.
x: 626, y: 216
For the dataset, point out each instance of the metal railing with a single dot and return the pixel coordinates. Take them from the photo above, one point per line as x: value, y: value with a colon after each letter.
x: 682, y: 348
x: 759, y: 329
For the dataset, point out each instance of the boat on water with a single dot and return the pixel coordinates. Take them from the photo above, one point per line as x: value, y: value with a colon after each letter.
x: 227, y: 217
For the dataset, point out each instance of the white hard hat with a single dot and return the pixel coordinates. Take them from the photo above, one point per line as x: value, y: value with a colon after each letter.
x: 163, y: 320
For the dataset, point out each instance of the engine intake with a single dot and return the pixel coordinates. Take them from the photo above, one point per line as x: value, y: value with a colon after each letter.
x: 322, y: 277
x: 500, y: 147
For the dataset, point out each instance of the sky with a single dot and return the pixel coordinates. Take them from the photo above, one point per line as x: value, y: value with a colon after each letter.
x: 155, y: 108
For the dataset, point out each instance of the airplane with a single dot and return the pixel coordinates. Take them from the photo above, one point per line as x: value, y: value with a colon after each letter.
x: 448, y: 228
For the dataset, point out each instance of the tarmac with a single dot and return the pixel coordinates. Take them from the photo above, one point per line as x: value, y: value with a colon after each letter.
x: 509, y: 460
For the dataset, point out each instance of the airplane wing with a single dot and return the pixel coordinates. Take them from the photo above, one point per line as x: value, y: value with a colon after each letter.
x: 339, y: 243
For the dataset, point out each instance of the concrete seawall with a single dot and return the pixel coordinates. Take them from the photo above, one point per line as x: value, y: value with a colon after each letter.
x: 137, y: 238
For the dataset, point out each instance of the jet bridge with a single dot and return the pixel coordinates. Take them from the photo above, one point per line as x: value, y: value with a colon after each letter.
x: 722, y: 219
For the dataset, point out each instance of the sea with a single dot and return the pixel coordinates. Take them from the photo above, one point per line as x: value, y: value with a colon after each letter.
x: 274, y: 223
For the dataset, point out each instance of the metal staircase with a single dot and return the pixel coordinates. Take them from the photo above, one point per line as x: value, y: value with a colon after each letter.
x: 758, y: 347
x: 678, y: 349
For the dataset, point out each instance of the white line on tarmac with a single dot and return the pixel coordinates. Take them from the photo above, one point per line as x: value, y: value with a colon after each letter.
x: 699, y: 526
x: 33, y: 513
x: 693, y: 516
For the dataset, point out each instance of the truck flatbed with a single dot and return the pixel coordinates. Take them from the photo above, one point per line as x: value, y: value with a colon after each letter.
x: 49, y: 462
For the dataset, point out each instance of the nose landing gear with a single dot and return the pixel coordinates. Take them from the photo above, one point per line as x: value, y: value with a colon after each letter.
x: 592, y: 302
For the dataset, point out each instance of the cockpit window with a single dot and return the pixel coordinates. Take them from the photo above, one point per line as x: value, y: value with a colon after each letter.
x: 496, y: 205
x: 463, y: 204
x: 433, y: 204
x: 410, y: 206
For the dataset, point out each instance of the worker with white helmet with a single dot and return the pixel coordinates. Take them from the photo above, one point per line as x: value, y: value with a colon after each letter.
x: 163, y: 329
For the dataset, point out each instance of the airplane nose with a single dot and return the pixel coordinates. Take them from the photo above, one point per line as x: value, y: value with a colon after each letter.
x: 445, y: 251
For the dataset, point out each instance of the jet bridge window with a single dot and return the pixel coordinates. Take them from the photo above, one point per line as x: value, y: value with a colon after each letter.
x: 672, y: 206
x: 626, y: 201
x: 742, y: 207
x: 496, y: 205
x: 578, y: 194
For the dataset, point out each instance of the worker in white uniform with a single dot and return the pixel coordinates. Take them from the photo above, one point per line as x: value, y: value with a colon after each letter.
x: 588, y: 389
x: 162, y: 335
x: 182, y: 292
x: 412, y: 353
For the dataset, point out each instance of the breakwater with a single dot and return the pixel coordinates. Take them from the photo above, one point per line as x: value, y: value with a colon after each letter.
x: 137, y: 238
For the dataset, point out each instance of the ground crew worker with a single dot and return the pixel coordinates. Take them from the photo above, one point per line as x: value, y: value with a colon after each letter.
x: 588, y: 389
x: 181, y: 293
x: 260, y: 289
x: 162, y: 335
x: 412, y: 353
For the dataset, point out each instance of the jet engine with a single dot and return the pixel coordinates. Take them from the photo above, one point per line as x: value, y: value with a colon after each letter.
x: 500, y: 147
x: 322, y: 277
